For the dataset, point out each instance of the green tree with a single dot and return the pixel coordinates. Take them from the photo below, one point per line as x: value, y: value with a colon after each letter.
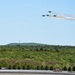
x: 41, y: 49
x: 65, y: 68
x: 74, y: 68
x: 42, y: 68
x: 14, y: 67
x: 23, y: 67
x: 28, y: 67
x: 18, y: 67
x: 9, y: 67
x: 69, y: 69
x: 51, y: 67
x: 46, y: 67
x: 0, y: 66
x: 38, y: 67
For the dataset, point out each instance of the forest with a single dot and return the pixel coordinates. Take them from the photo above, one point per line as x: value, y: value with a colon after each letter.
x: 37, y: 57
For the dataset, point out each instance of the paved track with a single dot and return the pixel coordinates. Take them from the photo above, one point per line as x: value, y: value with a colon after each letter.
x: 33, y: 72
x: 30, y: 74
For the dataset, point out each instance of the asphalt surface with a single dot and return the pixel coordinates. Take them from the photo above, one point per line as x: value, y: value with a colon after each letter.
x: 34, y: 72
x: 30, y: 74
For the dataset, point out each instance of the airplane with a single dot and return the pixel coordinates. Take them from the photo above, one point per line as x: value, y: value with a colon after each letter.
x: 55, y: 15
x: 43, y: 15
x: 47, y: 15
x: 52, y: 14
x: 49, y: 11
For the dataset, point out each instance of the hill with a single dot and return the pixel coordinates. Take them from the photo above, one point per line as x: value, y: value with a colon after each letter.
x: 26, y: 44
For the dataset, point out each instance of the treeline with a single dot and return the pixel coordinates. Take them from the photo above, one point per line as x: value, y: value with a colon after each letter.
x: 38, y: 57
x: 30, y: 65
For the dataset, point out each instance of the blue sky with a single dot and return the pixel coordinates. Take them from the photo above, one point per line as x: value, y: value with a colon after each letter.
x: 21, y: 20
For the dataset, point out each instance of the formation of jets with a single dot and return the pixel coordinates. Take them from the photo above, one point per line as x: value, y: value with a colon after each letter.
x: 52, y: 14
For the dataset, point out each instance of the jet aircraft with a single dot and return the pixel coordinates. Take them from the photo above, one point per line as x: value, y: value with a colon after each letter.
x: 52, y: 14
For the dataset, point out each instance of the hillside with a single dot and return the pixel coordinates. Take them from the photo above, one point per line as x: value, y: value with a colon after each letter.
x: 26, y: 44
